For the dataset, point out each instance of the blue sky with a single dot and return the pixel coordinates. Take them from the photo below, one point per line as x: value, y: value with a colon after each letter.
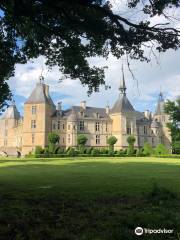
x: 142, y: 92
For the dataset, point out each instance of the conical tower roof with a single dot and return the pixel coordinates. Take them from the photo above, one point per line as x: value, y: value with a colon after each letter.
x: 11, y: 112
x: 122, y: 104
x: 40, y: 94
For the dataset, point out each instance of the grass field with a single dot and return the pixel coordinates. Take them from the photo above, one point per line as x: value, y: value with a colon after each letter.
x: 88, y: 199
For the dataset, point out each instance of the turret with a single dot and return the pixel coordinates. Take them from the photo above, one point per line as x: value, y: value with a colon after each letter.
x: 38, y: 110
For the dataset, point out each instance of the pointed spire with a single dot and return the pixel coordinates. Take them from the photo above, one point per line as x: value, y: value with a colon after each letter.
x: 161, y: 96
x: 41, y: 77
x: 122, y: 87
x: 13, y: 103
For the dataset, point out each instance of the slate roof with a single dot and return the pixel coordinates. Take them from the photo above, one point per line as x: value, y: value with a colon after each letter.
x: 155, y: 124
x: 90, y: 112
x: 38, y: 95
x: 11, y: 112
x: 122, y: 105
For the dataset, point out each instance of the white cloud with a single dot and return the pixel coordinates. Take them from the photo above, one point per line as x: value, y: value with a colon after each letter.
x: 142, y: 92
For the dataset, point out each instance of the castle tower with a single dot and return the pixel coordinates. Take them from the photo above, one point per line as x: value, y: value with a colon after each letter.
x: 123, y: 116
x: 38, y: 110
x: 10, y: 129
x: 163, y: 118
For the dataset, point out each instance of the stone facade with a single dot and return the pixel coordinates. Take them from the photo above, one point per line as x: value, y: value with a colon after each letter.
x: 41, y: 116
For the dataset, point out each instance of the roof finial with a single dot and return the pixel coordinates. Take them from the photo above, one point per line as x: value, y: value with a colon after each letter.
x: 13, y: 101
x: 122, y: 87
x: 160, y: 94
x: 41, y: 77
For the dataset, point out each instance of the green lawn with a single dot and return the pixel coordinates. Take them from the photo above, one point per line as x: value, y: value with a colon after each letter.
x: 88, y: 198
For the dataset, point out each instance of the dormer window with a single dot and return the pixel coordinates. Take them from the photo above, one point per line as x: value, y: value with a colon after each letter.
x: 97, y: 115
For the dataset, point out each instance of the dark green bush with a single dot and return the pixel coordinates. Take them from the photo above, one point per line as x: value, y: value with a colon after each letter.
x: 89, y: 150
x: 147, y: 149
x: 60, y: 150
x: 38, y: 150
x: 139, y: 152
x: 95, y: 152
x: 104, y: 151
x: 161, y: 150
x: 121, y: 153
x: 72, y: 152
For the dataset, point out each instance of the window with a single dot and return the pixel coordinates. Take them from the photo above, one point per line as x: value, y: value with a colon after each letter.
x: 54, y: 126
x: 81, y: 126
x: 33, y: 123
x: 97, y: 115
x: 145, y: 129
x: 74, y: 127
x: 63, y: 140
x: 97, y: 127
x: 58, y: 126
x: 63, y: 126
x: 33, y: 110
x: 138, y: 130
x: 163, y: 119
x: 106, y: 126
x: 33, y: 138
x: 128, y: 127
x: 69, y: 127
x: 97, y: 139
x: 69, y: 138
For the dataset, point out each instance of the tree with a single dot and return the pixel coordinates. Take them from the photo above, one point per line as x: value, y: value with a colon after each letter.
x: 131, y: 140
x: 161, y: 149
x: 53, y: 138
x: 81, y: 140
x: 111, y: 141
x: 69, y: 32
x: 173, y: 109
x: 147, y: 149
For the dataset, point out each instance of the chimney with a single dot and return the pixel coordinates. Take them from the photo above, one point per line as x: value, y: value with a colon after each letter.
x: 107, y: 110
x: 83, y: 105
x: 147, y: 114
x: 59, y: 106
x: 47, y: 90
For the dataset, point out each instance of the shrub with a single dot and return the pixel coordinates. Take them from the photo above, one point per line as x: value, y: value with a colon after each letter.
x: 53, y: 138
x: 95, y: 152
x: 121, y: 153
x: 110, y: 153
x: 46, y: 150
x: 139, y: 152
x: 67, y: 150
x: 176, y: 147
x: 60, y: 150
x: 89, y: 150
x: 104, y: 151
x: 38, y: 150
x: 161, y: 149
x: 147, y: 149
x: 81, y: 140
x: 72, y: 152
x: 111, y: 141
x: 131, y: 140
